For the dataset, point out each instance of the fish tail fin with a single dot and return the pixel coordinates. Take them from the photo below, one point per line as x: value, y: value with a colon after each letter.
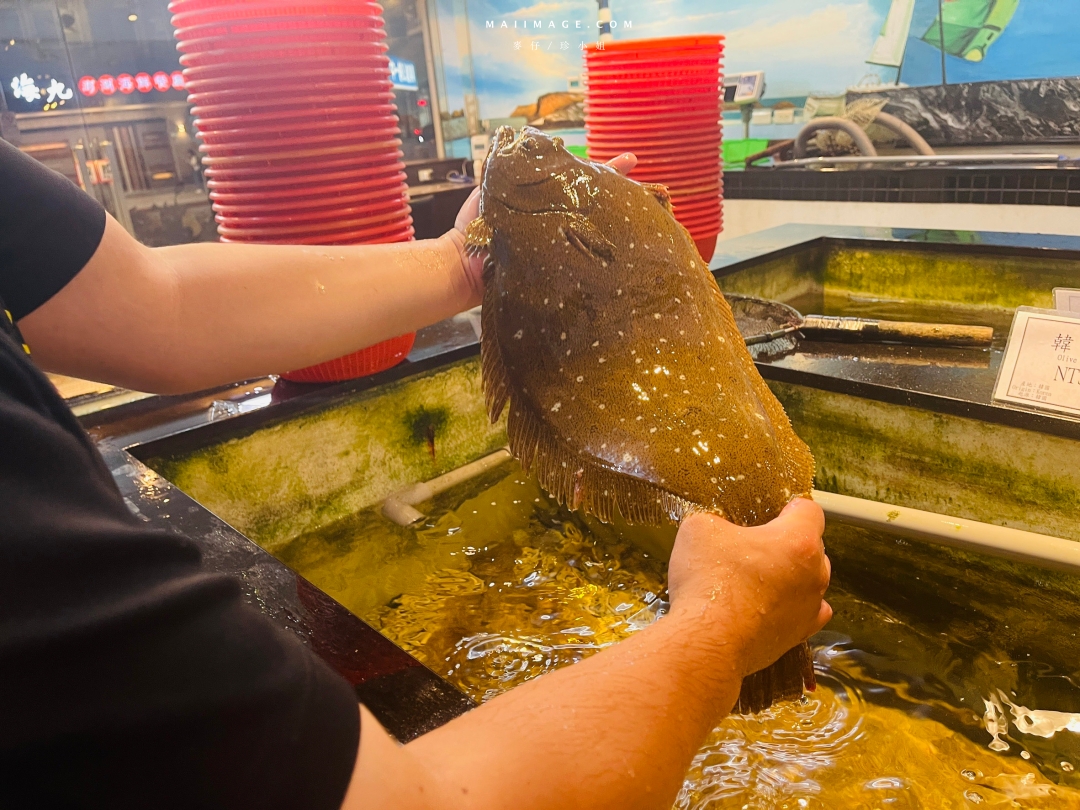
x: 783, y: 680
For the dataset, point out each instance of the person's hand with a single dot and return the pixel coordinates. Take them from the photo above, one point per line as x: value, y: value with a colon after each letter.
x: 473, y: 266
x: 757, y: 590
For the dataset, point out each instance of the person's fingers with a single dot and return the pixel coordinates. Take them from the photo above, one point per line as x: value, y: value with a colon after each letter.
x: 824, y: 616
x: 624, y: 163
x: 470, y: 210
x: 800, y: 515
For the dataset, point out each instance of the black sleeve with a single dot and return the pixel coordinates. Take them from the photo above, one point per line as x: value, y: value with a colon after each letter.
x: 49, y: 229
x: 129, y: 677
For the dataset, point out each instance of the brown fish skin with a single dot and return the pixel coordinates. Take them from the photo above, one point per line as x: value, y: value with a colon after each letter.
x: 629, y: 385
x: 628, y: 380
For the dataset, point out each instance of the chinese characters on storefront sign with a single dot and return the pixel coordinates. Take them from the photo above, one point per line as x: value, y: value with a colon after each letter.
x: 25, y: 87
x: 127, y: 84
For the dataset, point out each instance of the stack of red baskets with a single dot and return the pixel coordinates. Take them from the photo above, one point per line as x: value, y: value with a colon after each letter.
x: 294, y: 106
x: 661, y: 99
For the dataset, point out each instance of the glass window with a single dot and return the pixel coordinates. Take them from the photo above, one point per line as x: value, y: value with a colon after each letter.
x: 95, y: 90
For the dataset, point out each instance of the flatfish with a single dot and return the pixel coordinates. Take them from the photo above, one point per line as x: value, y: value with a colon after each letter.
x: 629, y: 386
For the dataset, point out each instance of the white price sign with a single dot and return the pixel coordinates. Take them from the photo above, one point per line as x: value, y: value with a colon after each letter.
x: 1066, y: 300
x: 1041, y: 368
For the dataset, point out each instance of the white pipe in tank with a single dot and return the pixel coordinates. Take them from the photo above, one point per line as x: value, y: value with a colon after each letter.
x: 400, y: 507
x: 1041, y: 550
x: 985, y: 538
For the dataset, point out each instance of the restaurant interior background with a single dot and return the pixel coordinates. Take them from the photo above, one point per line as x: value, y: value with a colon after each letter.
x: 93, y: 88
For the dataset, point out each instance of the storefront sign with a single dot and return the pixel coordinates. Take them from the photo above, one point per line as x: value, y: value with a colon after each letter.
x: 403, y: 74
x: 1041, y: 369
x: 1066, y: 300
x: 25, y: 88
x: 125, y: 83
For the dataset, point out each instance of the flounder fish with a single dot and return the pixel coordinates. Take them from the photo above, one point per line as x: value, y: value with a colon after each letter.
x: 629, y: 386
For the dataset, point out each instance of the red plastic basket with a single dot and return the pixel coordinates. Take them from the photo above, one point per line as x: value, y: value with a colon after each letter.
x: 295, y: 110
x: 706, y: 246
x: 661, y: 99
x: 307, y: 171
x: 359, y: 364
x: 306, y: 184
x: 393, y: 232
x: 312, y: 198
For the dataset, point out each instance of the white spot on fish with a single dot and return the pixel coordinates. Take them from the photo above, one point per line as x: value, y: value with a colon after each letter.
x: 518, y: 334
x: 595, y: 343
x: 580, y: 378
x: 555, y: 407
x: 657, y: 316
x: 562, y: 336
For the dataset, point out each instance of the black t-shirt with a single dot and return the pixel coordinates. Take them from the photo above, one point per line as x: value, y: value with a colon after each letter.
x: 129, y: 678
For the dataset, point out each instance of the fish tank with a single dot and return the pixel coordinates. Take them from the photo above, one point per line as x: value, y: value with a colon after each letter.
x: 930, y: 676
x: 948, y: 677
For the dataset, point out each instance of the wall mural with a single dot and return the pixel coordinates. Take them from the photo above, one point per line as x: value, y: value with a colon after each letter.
x: 526, y: 56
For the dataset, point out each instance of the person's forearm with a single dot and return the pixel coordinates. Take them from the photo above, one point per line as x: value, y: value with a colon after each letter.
x: 618, y: 730
x: 260, y: 309
x: 192, y: 316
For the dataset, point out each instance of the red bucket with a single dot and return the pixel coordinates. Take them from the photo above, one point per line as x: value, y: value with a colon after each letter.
x: 359, y: 364
x: 295, y: 110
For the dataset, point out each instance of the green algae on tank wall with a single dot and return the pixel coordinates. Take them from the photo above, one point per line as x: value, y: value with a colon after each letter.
x: 294, y: 476
x: 973, y: 279
x: 938, y: 462
x: 798, y: 274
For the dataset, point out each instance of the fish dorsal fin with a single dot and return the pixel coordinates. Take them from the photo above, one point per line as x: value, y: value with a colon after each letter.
x: 660, y: 191
x: 478, y: 235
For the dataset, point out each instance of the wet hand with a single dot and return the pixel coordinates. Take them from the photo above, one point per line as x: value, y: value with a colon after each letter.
x: 473, y: 266
x: 757, y: 592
